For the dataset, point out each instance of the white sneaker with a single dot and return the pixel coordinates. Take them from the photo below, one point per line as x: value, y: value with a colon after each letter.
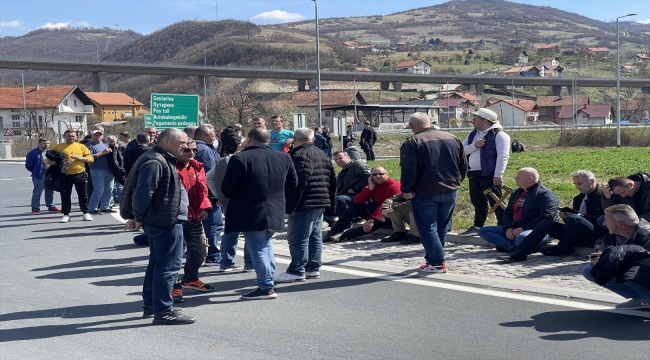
x: 633, y: 304
x: 313, y: 275
x: 335, y: 238
x: 65, y: 219
x: 87, y: 217
x: 287, y: 278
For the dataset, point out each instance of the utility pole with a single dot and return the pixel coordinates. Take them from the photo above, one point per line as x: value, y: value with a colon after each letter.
x: 216, y: 9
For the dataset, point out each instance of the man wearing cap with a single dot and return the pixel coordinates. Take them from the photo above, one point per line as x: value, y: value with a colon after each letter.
x: 100, y: 173
x: 487, y: 149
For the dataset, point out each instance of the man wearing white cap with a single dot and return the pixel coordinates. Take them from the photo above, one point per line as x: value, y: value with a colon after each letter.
x: 487, y: 149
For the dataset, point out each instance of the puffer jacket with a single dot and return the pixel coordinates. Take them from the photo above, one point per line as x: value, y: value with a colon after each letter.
x: 316, y: 180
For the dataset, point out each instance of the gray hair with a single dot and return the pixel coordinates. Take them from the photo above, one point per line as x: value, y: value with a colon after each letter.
x: 420, y: 119
x: 171, y: 133
x: 623, y: 213
x: 111, y: 137
x: 190, y: 141
x: 584, y: 173
x: 201, y: 131
x: 303, y: 134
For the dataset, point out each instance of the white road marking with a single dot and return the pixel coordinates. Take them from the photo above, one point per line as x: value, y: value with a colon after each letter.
x: 16, y: 178
x: 430, y: 282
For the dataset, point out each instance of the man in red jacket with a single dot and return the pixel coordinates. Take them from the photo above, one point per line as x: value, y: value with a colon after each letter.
x: 367, y: 204
x: 192, y: 178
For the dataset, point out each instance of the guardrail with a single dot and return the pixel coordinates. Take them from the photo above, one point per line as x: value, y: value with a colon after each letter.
x: 533, y: 127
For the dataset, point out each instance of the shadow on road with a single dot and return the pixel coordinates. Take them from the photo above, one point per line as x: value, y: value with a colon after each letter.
x: 94, y: 262
x: 582, y: 324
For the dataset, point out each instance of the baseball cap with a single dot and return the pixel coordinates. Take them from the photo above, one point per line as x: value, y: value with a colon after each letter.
x: 486, y: 114
x: 97, y: 131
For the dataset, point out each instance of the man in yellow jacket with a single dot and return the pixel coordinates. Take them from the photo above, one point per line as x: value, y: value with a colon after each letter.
x: 77, y: 155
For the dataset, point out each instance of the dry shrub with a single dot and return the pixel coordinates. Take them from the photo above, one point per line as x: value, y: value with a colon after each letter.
x: 604, y: 137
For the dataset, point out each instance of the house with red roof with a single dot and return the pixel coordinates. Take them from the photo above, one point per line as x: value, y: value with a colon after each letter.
x: 414, y: 67
x: 39, y: 110
x: 514, y: 57
x: 550, y: 106
x: 641, y: 58
x: 600, y: 52
x: 587, y: 114
x: 547, y: 48
x: 517, y: 113
x: 114, y: 106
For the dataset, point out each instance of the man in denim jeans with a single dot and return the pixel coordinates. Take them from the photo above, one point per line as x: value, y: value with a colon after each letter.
x: 35, y: 163
x: 100, y: 172
x: 153, y: 198
x: 316, y: 192
x: 433, y: 166
x: 256, y: 180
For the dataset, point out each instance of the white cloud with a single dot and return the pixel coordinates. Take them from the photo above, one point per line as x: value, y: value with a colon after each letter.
x: 10, y: 24
x: 59, y: 25
x: 278, y: 16
x: 644, y: 21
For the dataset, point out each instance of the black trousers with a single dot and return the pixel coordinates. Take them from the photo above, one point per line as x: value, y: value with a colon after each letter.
x: 196, y: 249
x: 481, y: 201
x: 80, y: 182
x: 368, y: 148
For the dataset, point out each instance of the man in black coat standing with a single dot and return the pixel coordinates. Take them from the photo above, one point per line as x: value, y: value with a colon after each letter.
x: 255, y: 182
x: 316, y: 192
x: 368, y: 140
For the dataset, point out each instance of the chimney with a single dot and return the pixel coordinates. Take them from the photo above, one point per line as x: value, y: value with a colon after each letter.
x: 38, y: 87
x: 585, y: 106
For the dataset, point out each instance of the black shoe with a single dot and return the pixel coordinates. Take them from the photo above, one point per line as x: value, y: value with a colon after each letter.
x: 96, y: 212
x: 147, y: 312
x: 557, y: 251
x: 500, y: 249
x: 109, y: 211
x: 395, y: 237
x: 411, y: 239
x: 513, y: 256
x: 259, y: 294
x: 173, y: 317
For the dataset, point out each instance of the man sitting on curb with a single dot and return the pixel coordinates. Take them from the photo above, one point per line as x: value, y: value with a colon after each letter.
x: 633, y: 191
x: 529, y: 205
x: 580, y: 226
x: 350, y: 181
x: 623, y: 265
x: 400, y: 212
x: 368, y: 206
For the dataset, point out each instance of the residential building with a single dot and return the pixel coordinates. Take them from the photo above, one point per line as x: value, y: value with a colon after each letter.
x: 350, y: 44
x: 414, y: 67
x: 403, y: 115
x: 554, y: 71
x: 522, y: 113
x: 114, y: 106
x: 600, y: 52
x: 587, y: 114
x: 550, y: 61
x: 569, y: 51
x: 636, y: 109
x: 514, y: 57
x: 641, y: 58
x: 525, y: 71
x: 547, y: 48
x: 454, y: 109
x: 45, y: 109
x: 550, y: 106
x: 461, y: 95
x: 362, y: 69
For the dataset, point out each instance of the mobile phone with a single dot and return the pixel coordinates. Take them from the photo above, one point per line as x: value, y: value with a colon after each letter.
x: 569, y: 210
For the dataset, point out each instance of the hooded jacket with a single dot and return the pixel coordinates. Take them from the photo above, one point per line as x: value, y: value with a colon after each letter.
x: 492, y: 158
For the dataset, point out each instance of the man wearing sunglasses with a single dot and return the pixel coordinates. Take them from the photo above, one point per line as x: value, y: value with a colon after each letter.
x: 367, y: 205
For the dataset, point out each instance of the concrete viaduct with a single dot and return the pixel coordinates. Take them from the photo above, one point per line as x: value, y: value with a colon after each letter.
x: 99, y: 71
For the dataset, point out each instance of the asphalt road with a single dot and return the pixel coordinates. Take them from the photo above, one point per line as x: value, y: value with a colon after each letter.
x: 73, y: 291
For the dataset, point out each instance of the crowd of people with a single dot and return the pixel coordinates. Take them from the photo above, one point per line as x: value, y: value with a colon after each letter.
x: 194, y: 191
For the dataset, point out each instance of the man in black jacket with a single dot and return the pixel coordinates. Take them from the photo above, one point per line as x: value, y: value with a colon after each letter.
x: 633, y: 190
x: 132, y: 154
x: 623, y: 266
x: 154, y: 199
x: 580, y: 226
x: 305, y: 206
x: 230, y: 139
x: 368, y: 140
x: 255, y: 182
x: 351, y: 180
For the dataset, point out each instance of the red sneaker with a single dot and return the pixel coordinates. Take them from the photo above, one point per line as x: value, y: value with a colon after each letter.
x: 36, y: 211
x: 53, y: 208
x: 198, y: 285
x: 436, y: 269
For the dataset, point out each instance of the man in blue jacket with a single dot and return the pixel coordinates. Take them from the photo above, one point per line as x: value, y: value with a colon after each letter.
x: 255, y: 182
x: 529, y: 205
x: 35, y: 163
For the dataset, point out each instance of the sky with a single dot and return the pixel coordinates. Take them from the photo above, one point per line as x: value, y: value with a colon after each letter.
x: 18, y: 17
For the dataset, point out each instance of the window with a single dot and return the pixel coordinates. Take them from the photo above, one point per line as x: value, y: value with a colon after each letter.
x: 15, y: 117
x: 75, y: 102
x: 328, y: 113
x: 15, y: 124
x: 65, y: 102
x: 18, y: 132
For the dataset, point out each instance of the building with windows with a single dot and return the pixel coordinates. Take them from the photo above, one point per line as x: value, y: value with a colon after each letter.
x: 114, y: 106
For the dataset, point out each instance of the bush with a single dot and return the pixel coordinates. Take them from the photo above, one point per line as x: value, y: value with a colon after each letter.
x: 604, y: 137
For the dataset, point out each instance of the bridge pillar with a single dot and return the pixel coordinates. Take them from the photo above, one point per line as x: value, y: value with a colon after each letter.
x: 645, y: 90
x: 556, y: 90
x: 210, y: 84
x: 480, y: 88
x: 397, y: 86
x: 384, y: 85
x: 313, y: 84
x: 99, y: 81
x: 570, y: 89
x: 302, y: 85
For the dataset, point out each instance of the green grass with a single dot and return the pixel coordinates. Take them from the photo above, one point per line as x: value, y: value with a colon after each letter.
x: 555, y: 167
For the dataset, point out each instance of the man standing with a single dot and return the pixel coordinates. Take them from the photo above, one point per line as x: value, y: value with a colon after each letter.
x: 213, y: 224
x: 349, y: 137
x: 256, y: 180
x: 580, y: 226
x: 149, y: 130
x: 487, y: 150
x: 77, y: 156
x: 132, y: 154
x: 230, y: 139
x: 258, y: 122
x: 623, y: 263
x: 368, y: 140
x: 530, y: 204
x: 305, y: 206
x: 633, y: 190
x: 101, y: 175
x: 35, y: 163
x: 328, y: 142
x: 279, y: 135
x: 153, y: 198
x: 123, y: 140
x: 433, y: 166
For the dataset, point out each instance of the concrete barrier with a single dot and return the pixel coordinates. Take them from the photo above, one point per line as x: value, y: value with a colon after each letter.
x: 5, y: 150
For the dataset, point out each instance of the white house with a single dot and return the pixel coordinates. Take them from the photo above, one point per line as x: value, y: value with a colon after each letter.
x: 514, y: 57
x: 522, y: 113
x: 549, y: 61
x: 41, y: 110
x: 414, y: 67
x: 588, y: 114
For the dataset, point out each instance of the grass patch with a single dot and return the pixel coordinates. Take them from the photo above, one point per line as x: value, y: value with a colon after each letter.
x: 554, y: 167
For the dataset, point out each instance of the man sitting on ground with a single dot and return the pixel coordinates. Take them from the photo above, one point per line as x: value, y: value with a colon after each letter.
x: 623, y: 265
x: 633, y: 191
x: 350, y: 181
x: 580, y: 226
x: 400, y: 212
x: 367, y: 205
x: 529, y: 205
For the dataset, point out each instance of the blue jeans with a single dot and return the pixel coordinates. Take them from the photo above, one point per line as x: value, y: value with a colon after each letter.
x: 497, y: 236
x: 576, y: 230
x: 165, y: 258
x: 259, y: 245
x: 117, y: 192
x: 102, y: 189
x: 212, y: 226
x: 343, y: 202
x: 229, y: 246
x: 432, y: 214
x: 305, y: 237
x: 628, y: 289
x: 39, y: 186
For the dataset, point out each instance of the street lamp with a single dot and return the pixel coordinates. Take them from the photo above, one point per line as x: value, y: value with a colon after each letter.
x: 448, y: 123
x: 618, y: 81
x: 320, y: 120
x: 354, y: 82
x: 513, y: 102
